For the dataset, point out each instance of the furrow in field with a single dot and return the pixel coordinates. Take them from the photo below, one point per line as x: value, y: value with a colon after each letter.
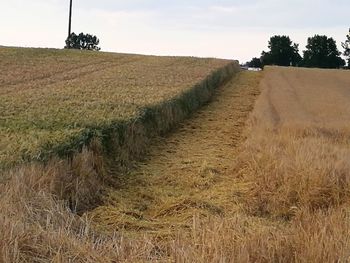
x: 186, y: 171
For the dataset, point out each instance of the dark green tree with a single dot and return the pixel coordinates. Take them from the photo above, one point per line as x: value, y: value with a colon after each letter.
x: 255, y: 63
x: 346, y: 46
x: 82, y: 41
x: 322, y: 52
x: 283, y: 52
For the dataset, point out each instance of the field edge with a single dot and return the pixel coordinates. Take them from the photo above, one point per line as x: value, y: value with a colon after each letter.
x: 78, y: 170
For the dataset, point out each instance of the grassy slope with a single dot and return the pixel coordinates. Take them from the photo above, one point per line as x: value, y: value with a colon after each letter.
x: 50, y: 100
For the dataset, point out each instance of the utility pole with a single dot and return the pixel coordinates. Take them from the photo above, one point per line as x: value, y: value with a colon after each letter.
x: 70, y: 19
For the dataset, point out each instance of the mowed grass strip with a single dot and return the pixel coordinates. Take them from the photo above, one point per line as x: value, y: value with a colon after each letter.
x: 50, y: 97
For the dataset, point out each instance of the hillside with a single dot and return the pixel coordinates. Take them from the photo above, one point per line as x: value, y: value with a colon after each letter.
x: 54, y: 101
x: 259, y: 174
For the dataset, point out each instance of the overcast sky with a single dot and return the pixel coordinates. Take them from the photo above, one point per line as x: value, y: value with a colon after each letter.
x: 206, y: 28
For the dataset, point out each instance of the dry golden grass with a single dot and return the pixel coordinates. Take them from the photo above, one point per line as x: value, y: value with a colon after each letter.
x: 51, y: 101
x: 280, y: 196
x: 296, y: 167
x: 186, y: 172
x: 46, y: 231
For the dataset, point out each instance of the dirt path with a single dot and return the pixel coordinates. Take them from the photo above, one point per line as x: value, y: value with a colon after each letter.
x: 186, y: 172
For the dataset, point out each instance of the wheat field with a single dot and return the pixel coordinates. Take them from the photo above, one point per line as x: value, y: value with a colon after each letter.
x: 259, y: 174
x: 276, y: 189
x: 52, y: 97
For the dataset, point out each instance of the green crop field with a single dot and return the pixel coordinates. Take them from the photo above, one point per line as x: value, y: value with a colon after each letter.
x: 50, y: 98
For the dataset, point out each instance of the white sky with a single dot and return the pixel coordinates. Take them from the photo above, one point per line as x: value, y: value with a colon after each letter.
x: 224, y: 28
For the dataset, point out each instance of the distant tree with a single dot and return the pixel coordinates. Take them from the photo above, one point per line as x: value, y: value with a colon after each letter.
x: 283, y: 52
x: 322, y: 52
x: 82, y: 41
x: 255, y: 63
x: 346, y: 46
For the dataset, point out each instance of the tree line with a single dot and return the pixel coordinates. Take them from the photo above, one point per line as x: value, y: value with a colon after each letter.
x: 321, y: 52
